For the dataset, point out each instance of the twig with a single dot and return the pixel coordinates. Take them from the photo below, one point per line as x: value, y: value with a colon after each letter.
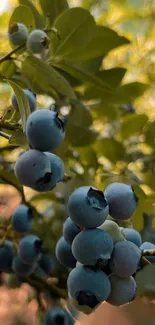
x: 58, y: 293
x: 8, y: 56
x: 5, y: 135
x: 144, y: 261
x: 8, y: 126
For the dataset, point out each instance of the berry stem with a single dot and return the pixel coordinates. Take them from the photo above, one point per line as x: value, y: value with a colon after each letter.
x: 144, y: 261
x: 7, y: 126
x: 148, y: 252
x: 9, y: 55
x: 56, y: 292
x: 5, y: 135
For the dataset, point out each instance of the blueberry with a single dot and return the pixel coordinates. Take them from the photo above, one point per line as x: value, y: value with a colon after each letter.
x: 45, y: 130
x: 88, y: 207
x: 57, y: 316
x: 91, y: 246
x: 123, y: 291
x: 64, y: 253
x: 22, y: 219
x: 30, y: 96
x: 147, y: 245
x: 33, y: 169
x: 30, y: 249
x: 122, y: 200
x: 70, y: 230
x: 113, y: 230
x: 22, y: 269
x: 6, y: 256
x: 57, y: 169
x: 125, y: 259
x: 88, y: 287
x: 17, y: 33
x: 40, y: 272
x: 133, y: 236
x: 37, y: 41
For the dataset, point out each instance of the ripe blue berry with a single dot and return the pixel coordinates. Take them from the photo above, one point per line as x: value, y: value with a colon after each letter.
x: 33, y: 169
x: 64, y: 253
x: 22, y: 219
x: 113, y: 230
x: 37, y: 41
x: 22, y: 269
x: 122, y: 200
x: 57, y: 169
x: 45, y: 130
x: 125, y: 259
x: 57, y: 316
x: 30, y: 96
x: 70, y: 230
x: 123, y: 291
x: 88, y: 287
x: 17, y: 33
x: 6, y: 256
x: 88, y: 207
x: 91, y: 246
x: 30, y: 249
x: 133, y: 236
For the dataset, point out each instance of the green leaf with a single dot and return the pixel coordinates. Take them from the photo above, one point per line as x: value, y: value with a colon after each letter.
x: 132, y: 124
x: 150, y: 134
x: 84, y: 73
x: 80, y: 136
x: 23, y: 103
x: 7, y: 69
x: 145, y: 280
x: 76, y: 27
x: 19, y: 138
x: 9, y: 178
x: 103, y: 40
x: 110, y: 148
x: 45, y: 79
x: 52, y: 9
x: 113, y: 77
x: 23, y: 14
x: 124, y: 94
x: 79, y: 114
x: 39, y: 20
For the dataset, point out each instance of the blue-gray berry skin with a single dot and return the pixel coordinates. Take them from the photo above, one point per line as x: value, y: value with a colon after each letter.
x: 64, y: 253
x: 45, y: 130
x: 30, y: 249
x: 57, y: 316
x: 123, y: 291
x: 91, y: 246
x: 88, y: 207
x: 122, y: 200
x: 33, y: 169
x: 88, y: 287
x: 70, y: 230
x: 49, y: 263
x: 22, y: 218
x: 147, y: 245
x: 18, y: 34
x: 133, y: 236
x: 37, y: 41
x: 6, y: 256
x: 57, y: 169
x: 31, y: 98
x: 125, y: 259
x: 21, y: 269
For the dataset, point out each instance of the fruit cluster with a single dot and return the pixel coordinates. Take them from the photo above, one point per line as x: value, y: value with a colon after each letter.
x: 105, y: 256
x: 36, y: 42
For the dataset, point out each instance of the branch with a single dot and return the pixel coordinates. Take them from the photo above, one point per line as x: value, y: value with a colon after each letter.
x: 7, y: 126
x: 56, y: 292
x: 8, y: 56
x: 148, y: 252
x: 5, y: 135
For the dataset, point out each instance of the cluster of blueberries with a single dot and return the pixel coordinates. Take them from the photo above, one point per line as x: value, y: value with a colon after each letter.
x: 104, y: 257
x: 36, y: 42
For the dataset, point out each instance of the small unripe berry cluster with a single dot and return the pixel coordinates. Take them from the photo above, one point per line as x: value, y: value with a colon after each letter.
x: 37, y: 41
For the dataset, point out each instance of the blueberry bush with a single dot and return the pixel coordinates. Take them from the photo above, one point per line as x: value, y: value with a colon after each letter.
x: 77, y: 146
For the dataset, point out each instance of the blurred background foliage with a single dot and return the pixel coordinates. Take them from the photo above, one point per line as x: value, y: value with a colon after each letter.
x: 111, y: 129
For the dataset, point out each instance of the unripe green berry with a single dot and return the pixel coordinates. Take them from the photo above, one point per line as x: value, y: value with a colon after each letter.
x: 17, y: 33
x: 37, y: 41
